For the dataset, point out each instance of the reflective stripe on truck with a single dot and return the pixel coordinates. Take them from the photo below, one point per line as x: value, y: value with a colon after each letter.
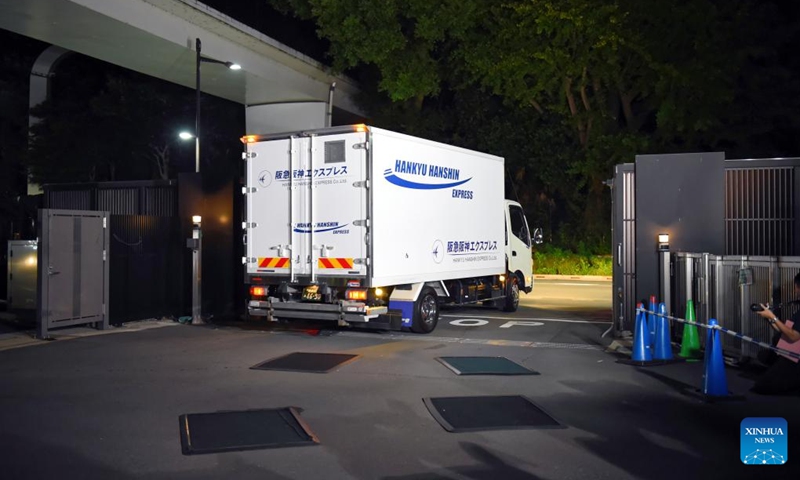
x: 325, y: 262
x: 273, y: 262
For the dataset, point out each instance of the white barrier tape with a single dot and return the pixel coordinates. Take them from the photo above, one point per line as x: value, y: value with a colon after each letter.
x: 725, y: 330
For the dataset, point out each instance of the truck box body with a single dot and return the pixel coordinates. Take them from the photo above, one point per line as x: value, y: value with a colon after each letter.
x: 373, y: 205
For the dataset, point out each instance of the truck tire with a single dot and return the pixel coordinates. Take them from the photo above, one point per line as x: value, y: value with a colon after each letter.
x: 426, y: 312
x: 511, y: 302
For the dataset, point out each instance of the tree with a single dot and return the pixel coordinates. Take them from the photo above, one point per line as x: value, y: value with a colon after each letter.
x: 623, y: 76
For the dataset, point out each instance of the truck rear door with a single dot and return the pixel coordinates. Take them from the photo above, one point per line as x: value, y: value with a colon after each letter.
x: 307, y: 206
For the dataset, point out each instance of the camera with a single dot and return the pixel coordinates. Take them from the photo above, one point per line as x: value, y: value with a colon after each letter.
x: 757, y: 308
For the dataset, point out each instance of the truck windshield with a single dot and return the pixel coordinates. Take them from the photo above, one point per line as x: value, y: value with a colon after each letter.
x: 519, y: 227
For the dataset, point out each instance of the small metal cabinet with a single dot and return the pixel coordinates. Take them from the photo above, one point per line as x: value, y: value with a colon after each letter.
x: 22, y: 274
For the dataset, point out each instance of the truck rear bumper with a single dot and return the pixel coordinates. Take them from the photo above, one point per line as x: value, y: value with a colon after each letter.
x: 343, y: 312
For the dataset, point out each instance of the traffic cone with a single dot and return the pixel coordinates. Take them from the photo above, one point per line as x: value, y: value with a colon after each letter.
x: 651, y: 322
x: 663, y: 347
x: 690, y: 343
x: 641, y: 349
x: 715, y: 384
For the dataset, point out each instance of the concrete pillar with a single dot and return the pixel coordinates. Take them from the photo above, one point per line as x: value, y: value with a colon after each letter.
x: 285, y: 117
x: 41, y: 72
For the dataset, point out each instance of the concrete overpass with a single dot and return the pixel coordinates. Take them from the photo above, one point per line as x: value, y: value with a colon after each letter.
x: 280, y: 88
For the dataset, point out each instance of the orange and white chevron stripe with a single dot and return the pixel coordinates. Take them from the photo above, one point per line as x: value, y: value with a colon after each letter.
x: 273, y: 262
x: 335, y: 263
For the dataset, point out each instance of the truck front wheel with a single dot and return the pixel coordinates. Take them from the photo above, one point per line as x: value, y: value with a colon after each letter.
x: 511, y: 302
x: 426, y: 312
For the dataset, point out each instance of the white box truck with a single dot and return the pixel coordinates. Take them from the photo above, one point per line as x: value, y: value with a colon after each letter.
x: 360, y: 225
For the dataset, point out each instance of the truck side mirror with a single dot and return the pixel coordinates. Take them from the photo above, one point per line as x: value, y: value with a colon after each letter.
x: 538, y: 236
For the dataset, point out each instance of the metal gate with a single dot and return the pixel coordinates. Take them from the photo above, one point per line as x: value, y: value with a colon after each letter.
x: 73, y: 269
x: 724, y: 287
x: 762, y: 201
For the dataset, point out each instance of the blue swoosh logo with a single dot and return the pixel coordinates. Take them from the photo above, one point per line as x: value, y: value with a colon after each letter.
x: 422, y: 186
x: 308, y: 230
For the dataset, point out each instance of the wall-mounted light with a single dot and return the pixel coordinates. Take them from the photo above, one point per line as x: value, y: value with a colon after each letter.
x: 197, y: 219
x: 663, y: 238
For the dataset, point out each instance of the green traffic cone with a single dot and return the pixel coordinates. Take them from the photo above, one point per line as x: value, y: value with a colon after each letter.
x: 690, y: 344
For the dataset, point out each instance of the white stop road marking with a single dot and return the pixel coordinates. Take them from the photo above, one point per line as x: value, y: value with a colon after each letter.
x: 469, y: 322
x: 524, y: 324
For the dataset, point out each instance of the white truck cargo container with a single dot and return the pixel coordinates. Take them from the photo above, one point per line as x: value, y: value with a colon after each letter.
x: 360, y: 225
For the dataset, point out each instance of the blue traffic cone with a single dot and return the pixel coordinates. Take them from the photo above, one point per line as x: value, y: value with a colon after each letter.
x: 663, y: 347
x: 651, y: 322
x: 715, y: 384
x: 641, y: 347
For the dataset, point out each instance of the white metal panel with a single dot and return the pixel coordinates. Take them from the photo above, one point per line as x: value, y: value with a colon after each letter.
x: 326, y: 233
x: 438, y: 211
x: 338, y: 206
x: 268, y: 231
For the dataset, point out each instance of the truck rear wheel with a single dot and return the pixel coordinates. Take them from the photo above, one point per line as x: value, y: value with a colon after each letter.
x: 511, y: 302
x: 426, y: 312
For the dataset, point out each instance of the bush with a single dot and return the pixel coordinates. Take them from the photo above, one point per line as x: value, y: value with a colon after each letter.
x: 550, y: 260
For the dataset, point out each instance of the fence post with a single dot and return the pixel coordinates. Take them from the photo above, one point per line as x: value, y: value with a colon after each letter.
x: 705, y: 287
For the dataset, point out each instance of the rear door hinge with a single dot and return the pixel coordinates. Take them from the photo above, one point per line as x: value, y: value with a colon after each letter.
x: 361, y: 184
x: 104, y: 255
x: 361, y: 223
x: 361, y: 146
x: 105, y: 223
x: 248, y: 155
x: 246, y: 225
x: 246, y: 190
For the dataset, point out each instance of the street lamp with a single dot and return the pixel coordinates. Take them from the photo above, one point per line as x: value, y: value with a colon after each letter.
x: 196, y: 135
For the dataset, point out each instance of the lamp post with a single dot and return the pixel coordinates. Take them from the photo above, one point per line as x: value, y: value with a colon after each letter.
x: 664, y: 269
x: 196, y: 243
x: 196, y: 135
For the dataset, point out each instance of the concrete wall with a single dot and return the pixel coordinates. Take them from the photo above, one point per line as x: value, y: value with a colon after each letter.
x: 284, y: 117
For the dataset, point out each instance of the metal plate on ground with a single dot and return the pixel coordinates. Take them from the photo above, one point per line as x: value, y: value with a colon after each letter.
x: 307, y: 362
x: 484, y: 366
x: 244, y: 430
x: 472, y: 414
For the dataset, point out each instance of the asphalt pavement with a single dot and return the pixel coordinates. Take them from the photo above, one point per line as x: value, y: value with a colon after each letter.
x: 107, y: 406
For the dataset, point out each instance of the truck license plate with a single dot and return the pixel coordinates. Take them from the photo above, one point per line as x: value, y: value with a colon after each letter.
x: 310, y: 293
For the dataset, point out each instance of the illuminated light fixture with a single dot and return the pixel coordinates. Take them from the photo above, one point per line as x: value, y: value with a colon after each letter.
x: 378, y: 292
x: 197, y: 219
x: 361, y: 128
x: 30, y: 261
x: 258, y: 291
x: 663, y: 238
x: 233, y: 66
x: 502, y: 278
x: 249, y: 139
x: 356, y: 295
x: 186, y: 136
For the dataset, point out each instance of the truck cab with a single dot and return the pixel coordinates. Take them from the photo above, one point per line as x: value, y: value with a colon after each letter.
x: 518, y: 245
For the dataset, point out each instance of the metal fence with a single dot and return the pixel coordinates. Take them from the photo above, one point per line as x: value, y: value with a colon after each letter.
x: 724, y: 287
x: 759, y: 211
x: 146, y: 247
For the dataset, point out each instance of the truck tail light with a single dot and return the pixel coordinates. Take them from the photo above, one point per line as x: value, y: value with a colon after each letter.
x: 258, y: 291
x: 360, y: 295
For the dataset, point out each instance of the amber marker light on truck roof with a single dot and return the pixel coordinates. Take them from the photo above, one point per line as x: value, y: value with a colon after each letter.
x: 361, y: 128
x: 249, y: 139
